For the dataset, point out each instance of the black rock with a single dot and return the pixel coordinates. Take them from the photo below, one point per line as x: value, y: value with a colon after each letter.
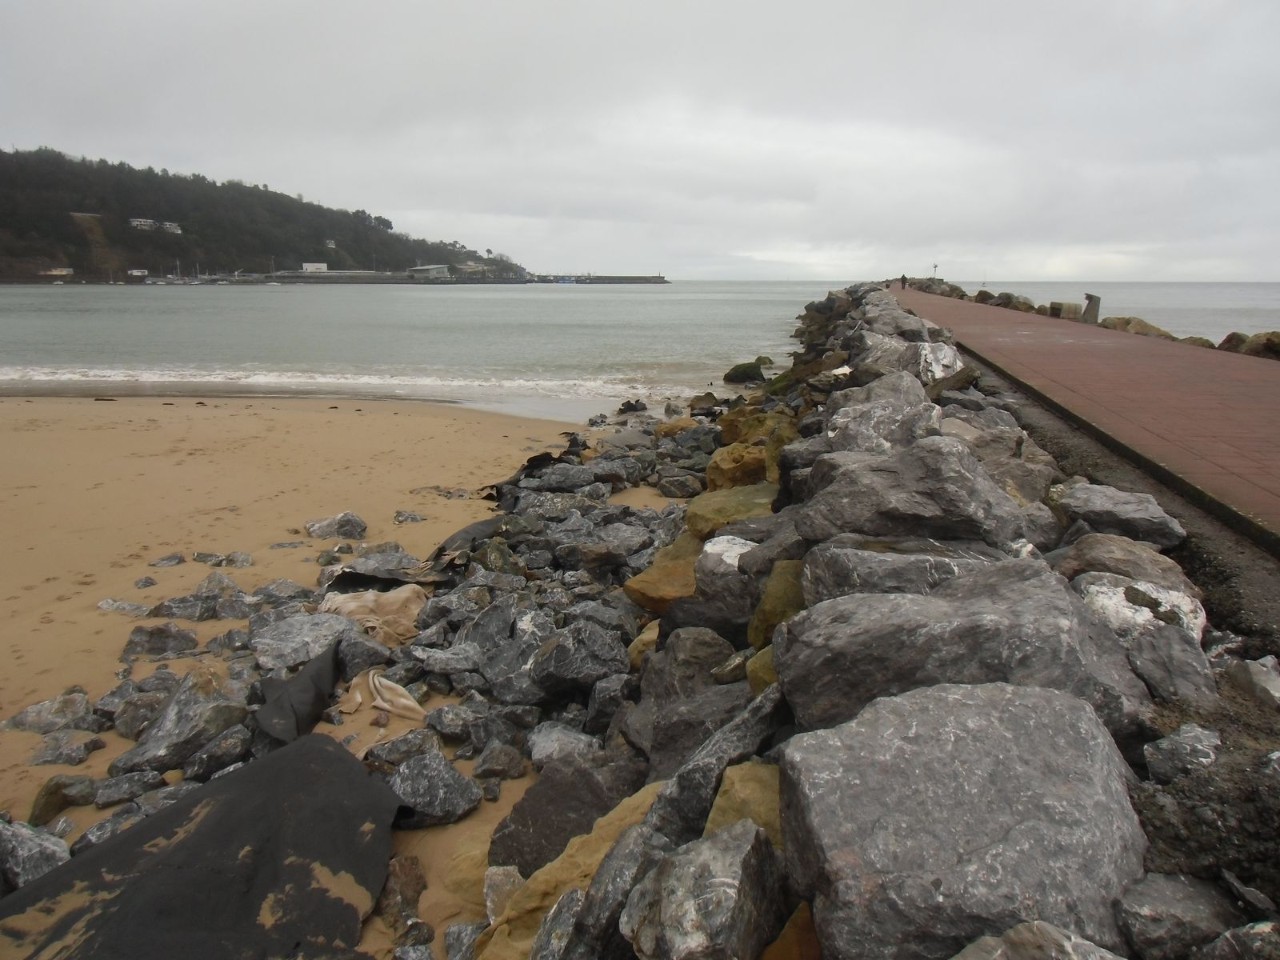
x: 227, y: 748
x: 156, y: 641
x: 432, y: 791
x: 564, y: 802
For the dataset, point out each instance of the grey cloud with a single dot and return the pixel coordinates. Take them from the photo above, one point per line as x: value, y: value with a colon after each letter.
x: 1091, y: 139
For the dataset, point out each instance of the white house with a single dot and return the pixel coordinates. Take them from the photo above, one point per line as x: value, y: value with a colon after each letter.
x: 315, y: 268
x: 141, y: 223
x: 436, y: 271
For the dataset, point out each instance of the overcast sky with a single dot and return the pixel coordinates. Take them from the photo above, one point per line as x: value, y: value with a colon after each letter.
x: 1018, y: 139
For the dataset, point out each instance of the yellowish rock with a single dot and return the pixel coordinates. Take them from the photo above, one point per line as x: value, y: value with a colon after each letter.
x: 748, y: 791
x: 747, y: 423
x: 710, y: 511
x: 511, y: 935
x: 1136, y: 325
x: 760, y: 671
x: 737, y: 465
x: 644, y: 643
x: 781, y: 599
x: 465, y: 876
x: 798, y: 940
x: 670, y: 428
x: 669, y: 577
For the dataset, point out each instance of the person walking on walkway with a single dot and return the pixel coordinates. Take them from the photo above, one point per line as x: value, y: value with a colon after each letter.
x: 903, y: 281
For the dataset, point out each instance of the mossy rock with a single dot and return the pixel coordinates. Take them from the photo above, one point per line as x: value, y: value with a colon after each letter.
x: 781, y: 599
x: 1265, y: 345
x: 669, y: 577
x: 749, y: 372
x: 1199, y: 342
x: 763, y: 361
x: 1137, y: 326
x: 1233, y: 342
x: 710, y: 511
x: 780, y: 384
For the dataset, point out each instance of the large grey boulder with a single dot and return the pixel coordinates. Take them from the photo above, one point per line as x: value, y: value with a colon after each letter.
x: 1109, y: 553
x: 1035, y: 940
x: 853, y: 563
x: 956, y: 812
x: 1166, y: 917
x: 883, y: 315
x: 933, y: 488
x: 1108, y: 510
x: 1013, y: 460
x: 292, y: 642
x: 1131, y: 606
x: 1160, y: 629
x: 200, y: 709
x: 712, y: 899
x: 1015, y: 621
x: 893, y: 411
x: 927, y: 362
x: 26, y: 854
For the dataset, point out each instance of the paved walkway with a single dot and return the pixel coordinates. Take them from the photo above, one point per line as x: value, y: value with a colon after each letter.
x: 1205, y: 423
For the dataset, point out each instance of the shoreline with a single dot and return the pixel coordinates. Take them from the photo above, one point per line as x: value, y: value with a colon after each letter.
x: 568, y: 410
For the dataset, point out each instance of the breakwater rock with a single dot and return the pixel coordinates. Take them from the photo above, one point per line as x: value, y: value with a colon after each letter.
x: 884, y: 682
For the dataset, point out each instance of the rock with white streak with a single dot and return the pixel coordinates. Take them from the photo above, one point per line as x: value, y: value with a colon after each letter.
x: 1015, y: 622
x: 929, y: 821
x: 713, y: 899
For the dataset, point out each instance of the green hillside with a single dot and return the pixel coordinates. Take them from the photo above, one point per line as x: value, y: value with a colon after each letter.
x: 57, y: 211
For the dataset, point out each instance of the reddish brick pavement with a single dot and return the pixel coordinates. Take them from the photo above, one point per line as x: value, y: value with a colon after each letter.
x: 1205, y: 423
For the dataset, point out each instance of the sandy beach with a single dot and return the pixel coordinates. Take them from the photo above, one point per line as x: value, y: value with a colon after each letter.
x: 94, y: 490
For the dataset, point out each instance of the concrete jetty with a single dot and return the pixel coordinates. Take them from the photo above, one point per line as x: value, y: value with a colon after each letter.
x: 1202, y: 422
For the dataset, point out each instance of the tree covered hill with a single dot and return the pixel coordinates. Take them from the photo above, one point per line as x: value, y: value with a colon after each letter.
x: 58, y: 211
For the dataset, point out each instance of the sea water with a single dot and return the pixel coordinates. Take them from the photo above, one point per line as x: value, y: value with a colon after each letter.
x: 563, y: 350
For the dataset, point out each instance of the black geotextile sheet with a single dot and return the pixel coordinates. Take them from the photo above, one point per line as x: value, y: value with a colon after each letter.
x: 281, y: 858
